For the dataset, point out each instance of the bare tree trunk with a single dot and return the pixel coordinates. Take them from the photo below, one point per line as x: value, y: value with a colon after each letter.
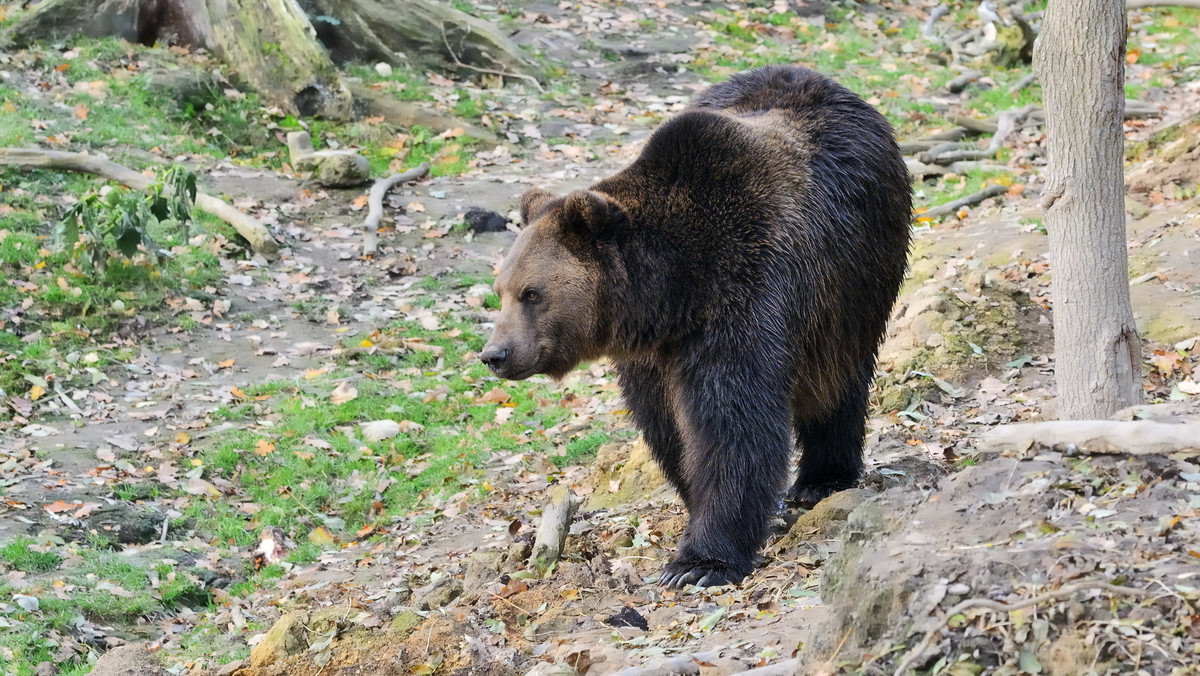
x: 273, y: 46
x: 1080, y: 60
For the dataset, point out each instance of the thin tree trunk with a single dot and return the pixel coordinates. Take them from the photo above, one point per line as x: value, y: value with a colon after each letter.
x: 1080, y: 60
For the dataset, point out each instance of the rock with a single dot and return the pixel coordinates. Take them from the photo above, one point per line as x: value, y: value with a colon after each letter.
x: 340, y: 168
x: 384, y: 69
x: 378, y: 430
x: 625, y: 474
x: 1136, y: 209
x: 826, y: 520
x: 485, y: 220
x: 129, y: 660
x: 482, y: 568
x: 330, y: 168
x: 925, y: 326
x: 285, y: 638
x: 405, y: 621
x: 231, y: 668
x: 437, y: 594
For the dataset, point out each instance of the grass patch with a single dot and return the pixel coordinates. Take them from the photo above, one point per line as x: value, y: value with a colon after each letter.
x: 24, y: 555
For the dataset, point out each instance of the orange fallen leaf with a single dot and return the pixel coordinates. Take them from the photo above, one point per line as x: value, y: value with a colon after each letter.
x: 228, y: 363
x: 263, y: 447
x: 237, y: 392
x: 182, y: 438
x: 59, y: 506
x: 81, y: 112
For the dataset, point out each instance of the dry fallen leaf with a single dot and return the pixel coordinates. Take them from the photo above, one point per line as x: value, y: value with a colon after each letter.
x: 378, y: 430
x: 263, y: 447
x: 59, y: 506
x: 343, y: 393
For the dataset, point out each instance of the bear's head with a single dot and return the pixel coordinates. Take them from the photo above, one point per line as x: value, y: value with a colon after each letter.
x: 553, y: 286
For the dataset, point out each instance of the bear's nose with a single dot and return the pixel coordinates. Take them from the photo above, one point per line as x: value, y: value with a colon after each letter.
x: 494, y: 357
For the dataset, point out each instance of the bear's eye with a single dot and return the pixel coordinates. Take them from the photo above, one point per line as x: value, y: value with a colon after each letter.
x: 530, y: 296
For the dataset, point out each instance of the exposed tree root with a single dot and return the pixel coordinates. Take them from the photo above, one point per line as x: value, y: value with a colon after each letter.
x: 375, y: 204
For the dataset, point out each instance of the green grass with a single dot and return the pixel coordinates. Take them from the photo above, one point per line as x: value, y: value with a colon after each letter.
x: 307, y: 472
x: 23, y: 554
x: 101, y: 587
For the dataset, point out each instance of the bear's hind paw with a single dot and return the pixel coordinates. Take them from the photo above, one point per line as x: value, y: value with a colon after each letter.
x: 700, y: 573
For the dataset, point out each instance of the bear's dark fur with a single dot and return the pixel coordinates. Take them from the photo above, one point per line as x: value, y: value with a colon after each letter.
x: 740, y: 275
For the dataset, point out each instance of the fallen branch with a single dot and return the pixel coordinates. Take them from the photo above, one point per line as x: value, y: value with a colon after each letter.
x: 1022, y: 83
x: 33, y: 158
x: 1093, y: 437
x: 920, y: 169
x: 1006, y: 123
x: 1147, y: 4
x: 969, y: 200
x: 963, y: 81
x: 375, y: 204
x: 552, y: 531
x: 918, y: 651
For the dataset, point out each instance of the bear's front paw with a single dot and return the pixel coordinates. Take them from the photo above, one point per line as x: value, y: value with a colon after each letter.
x: 700, y: 572
x: 808, y: 495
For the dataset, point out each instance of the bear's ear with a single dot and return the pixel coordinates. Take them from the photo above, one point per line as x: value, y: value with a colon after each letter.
x: 589, y: 212
x: 533, y: 205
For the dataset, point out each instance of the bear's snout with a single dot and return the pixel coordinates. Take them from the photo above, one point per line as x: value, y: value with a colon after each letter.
x: 495, y: 357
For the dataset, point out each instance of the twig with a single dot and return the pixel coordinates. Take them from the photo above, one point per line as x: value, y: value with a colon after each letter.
x: 962, y: 81
x: 918, y: 651
x: 952, y: 207
x: 987, y: 126
x: 1022, y: 83
x: 375, y: 204
x: 35, y: 158
x: 930, y: 24
x: 490, y: 71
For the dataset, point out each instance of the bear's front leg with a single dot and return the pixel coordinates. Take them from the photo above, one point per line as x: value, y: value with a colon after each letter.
x: 737, y: 432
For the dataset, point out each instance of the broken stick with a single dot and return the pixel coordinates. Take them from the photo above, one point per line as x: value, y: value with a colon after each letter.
x: 375, y: 204
x: 552, y: 531
x: 1093, y: 437
x: 255, y: 232
x: 952, y: 207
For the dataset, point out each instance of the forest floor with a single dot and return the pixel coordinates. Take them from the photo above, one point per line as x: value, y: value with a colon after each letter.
x: 192, y: 474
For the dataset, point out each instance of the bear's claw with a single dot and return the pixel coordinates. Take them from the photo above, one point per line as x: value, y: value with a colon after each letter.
x: 808, y: 495
x: 700, y: 573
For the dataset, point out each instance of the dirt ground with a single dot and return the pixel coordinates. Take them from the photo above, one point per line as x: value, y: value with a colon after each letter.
x: 849, y: 587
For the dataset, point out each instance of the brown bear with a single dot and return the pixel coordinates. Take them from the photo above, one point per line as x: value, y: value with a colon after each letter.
x: 739, y: 274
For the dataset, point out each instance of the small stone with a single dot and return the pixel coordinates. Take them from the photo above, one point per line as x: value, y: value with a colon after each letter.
x: 958, y: 589
x: 482, y: 568
x: 344, y: 170
x: 437, y: 594
x: 405, y: 621
x: 1136, y: 209
x: 129, y: 660
x: 485, y: 220
x: 231, y: 668
x: 384, y: 69
x: 285, y: 638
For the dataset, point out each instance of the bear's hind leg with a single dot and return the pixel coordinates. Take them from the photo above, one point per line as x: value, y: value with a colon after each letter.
x: 831, y: 448
x: 644, y: 386
x: 738, y: 438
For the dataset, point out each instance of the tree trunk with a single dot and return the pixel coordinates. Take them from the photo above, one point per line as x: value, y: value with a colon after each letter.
x: 269, y: 43
x: 425, y: 31
x: 1080, y: 60
x: 273, y: 47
